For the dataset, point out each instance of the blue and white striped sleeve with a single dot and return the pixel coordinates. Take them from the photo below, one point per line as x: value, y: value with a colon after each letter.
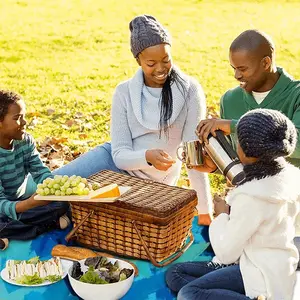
x: 37, y: 169
x: 7, y: 207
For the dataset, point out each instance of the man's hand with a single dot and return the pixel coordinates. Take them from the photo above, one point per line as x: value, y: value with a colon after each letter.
x: 30, y: 203
x: 159, y: 159
x: 220, y: 206
x: 205, y: 127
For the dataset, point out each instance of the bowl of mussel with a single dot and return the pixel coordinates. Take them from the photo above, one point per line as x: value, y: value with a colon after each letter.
x: 101, y: 278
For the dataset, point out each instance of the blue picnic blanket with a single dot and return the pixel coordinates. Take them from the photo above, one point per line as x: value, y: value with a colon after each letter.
x: 148, y: 285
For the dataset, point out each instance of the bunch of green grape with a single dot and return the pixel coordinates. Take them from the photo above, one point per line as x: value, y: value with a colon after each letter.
x: 64, y: 186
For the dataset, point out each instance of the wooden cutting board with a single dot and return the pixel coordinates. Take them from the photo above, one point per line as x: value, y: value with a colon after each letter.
x: 86, y: 198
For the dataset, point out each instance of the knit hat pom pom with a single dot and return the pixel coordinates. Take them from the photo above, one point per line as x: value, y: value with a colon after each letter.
x: 288, y: 146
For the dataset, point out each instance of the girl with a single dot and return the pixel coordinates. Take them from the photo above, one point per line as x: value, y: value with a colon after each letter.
x: 256, y: 240
x: 152, y: 114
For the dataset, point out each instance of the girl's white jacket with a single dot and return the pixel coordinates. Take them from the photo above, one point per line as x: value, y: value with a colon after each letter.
x: 259, y: 234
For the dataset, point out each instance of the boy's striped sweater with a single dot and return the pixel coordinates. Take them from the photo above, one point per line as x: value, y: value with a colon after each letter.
x: 15, y: 165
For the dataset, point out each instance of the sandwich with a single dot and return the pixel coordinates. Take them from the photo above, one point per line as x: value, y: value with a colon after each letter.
x: 34, y: 271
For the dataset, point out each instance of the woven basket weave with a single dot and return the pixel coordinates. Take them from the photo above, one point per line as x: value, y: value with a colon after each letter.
x: 151, y: 221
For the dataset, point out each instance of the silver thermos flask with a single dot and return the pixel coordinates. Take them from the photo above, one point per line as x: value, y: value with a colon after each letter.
x: 226, y: 159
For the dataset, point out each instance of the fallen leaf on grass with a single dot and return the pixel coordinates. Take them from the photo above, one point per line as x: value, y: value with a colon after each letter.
x: 55, y: 163
x: 83, y: 136
x: 88, y: 126
x: 50, y: 111
x: 78, y: 115
x: 33, y: 114
x: 52, y: 141
x: 79, y: 143
x: 70, y: 123
x: 33, y: 123
x: 213, y: 111
x: 55, y: 153
x: 78, y: 121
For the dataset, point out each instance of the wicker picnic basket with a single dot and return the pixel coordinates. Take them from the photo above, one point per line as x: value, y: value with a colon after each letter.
x: 151, y: 221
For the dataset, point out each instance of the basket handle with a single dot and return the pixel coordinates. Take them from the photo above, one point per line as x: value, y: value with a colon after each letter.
x: 73, y: 231
x: 168, y: 261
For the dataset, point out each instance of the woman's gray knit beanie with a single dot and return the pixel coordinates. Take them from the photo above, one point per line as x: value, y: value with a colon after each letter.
x: 146, y: 32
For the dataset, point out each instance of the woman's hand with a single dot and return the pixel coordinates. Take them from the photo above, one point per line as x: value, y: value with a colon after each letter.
x: 208, y: 164
x: 159, y: 159
x: 220, y: 206
x: 205, y: 127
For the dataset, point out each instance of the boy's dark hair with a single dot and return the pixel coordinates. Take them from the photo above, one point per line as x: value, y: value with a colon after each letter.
x: 6, y: 99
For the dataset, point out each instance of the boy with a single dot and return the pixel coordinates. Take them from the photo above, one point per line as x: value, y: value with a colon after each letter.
x: 22, y: 217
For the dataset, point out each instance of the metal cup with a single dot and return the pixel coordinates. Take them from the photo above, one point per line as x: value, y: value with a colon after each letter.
x: 193, y: 153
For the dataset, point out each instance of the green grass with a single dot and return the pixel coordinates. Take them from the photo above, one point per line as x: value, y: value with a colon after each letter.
x: 69, y: 55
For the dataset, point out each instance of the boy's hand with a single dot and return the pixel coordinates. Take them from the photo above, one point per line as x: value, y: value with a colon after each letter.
x: 159, y: 159
x: 30, y: 203
x: 36, y: 203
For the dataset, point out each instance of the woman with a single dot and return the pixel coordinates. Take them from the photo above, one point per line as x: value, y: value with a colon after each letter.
x: 253, y: 238
x: 152, y: 114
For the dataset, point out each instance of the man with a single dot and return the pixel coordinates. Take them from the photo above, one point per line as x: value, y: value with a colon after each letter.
x: 262, y: 85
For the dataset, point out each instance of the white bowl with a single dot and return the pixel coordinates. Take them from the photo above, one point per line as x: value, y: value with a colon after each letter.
x: 110, y: 291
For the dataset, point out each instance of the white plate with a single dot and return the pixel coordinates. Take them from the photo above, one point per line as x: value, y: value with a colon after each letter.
x: 66, y: 264
x: 123, y: 189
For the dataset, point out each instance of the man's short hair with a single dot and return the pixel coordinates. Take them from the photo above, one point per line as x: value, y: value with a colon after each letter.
x: 254, y: 41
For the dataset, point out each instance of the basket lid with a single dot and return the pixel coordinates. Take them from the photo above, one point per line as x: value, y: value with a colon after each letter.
x: 146, y: 196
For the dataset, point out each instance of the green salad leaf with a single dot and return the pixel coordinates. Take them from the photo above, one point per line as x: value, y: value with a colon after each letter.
x: 122, y: 277
x: 92, y: 277
x: 30, y: 279
x: 36, y: 279
x: 53, y: 278
x: 33, y: 260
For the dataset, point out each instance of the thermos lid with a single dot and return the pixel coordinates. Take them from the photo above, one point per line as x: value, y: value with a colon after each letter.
x: 238, y: 179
